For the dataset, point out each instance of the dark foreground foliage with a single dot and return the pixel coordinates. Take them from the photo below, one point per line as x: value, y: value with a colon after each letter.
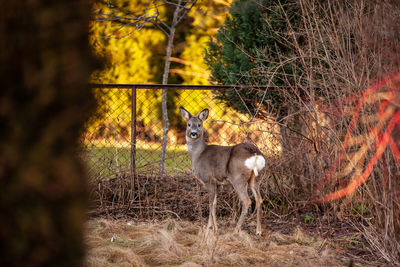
x: 45, y: 63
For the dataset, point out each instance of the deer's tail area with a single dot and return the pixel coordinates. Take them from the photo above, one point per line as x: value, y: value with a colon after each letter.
x: 255, y: 163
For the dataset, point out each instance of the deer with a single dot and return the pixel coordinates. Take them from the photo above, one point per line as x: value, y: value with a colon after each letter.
x: 212, y: 165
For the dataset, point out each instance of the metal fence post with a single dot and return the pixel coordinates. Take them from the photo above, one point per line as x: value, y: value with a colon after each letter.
x: 133, y: 132
x: 133, y: 150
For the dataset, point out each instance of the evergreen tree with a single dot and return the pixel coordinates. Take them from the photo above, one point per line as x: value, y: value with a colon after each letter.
x: 237, y: 55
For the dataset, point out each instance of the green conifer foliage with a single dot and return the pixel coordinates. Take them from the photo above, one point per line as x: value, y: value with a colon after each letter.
x: 237, y: 55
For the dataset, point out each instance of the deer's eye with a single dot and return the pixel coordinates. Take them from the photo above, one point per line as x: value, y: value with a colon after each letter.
x: 189, y: 124
x: 198, y: 125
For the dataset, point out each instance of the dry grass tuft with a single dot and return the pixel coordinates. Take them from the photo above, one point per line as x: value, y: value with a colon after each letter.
x: 169, y: 250
x: 114, y: 256
x: 176, y: 243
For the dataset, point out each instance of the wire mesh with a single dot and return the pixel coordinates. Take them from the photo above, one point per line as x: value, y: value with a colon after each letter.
x: 108, y: 146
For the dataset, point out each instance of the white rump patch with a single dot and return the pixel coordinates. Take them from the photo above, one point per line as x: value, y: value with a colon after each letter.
x: 255, y: 163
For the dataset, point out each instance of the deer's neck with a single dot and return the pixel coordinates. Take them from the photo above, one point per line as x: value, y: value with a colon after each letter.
x: 195, y: 147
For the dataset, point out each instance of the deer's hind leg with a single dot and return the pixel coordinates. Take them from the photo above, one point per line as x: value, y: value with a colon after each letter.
x: 255, y: 188
x: 240, y: 186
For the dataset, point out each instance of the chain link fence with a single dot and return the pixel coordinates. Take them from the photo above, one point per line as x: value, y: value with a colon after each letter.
x: 122, y: 148
x: 125, y: 134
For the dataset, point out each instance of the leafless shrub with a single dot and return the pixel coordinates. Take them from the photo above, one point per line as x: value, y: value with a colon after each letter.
x: 340, y: 49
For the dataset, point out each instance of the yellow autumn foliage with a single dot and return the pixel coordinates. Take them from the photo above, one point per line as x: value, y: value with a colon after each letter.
x: 137, y: 57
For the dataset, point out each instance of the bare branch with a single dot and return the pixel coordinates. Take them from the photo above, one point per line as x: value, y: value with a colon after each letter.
x: 150, y: 14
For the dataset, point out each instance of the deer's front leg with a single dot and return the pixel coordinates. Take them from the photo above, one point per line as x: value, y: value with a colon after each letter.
x: 212, y: 197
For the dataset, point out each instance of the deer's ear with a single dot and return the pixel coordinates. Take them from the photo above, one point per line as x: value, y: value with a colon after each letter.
x: 185, y: 114
x: 203, y: 115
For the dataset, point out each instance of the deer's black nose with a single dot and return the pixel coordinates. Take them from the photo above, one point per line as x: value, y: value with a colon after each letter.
x: 193, y: 134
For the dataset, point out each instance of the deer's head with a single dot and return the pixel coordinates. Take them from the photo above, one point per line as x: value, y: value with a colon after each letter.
x: 194, y: 127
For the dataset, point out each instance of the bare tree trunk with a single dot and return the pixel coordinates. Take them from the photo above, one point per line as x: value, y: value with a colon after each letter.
x: 164, y: 109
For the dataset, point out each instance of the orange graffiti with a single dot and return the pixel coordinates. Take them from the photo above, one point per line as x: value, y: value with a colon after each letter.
x: 386, y: 94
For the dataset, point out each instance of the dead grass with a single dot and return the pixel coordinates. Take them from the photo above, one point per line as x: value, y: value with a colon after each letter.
x: 176, y: 243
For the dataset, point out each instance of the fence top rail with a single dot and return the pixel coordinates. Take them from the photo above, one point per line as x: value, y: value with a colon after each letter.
x: 178, y: 86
